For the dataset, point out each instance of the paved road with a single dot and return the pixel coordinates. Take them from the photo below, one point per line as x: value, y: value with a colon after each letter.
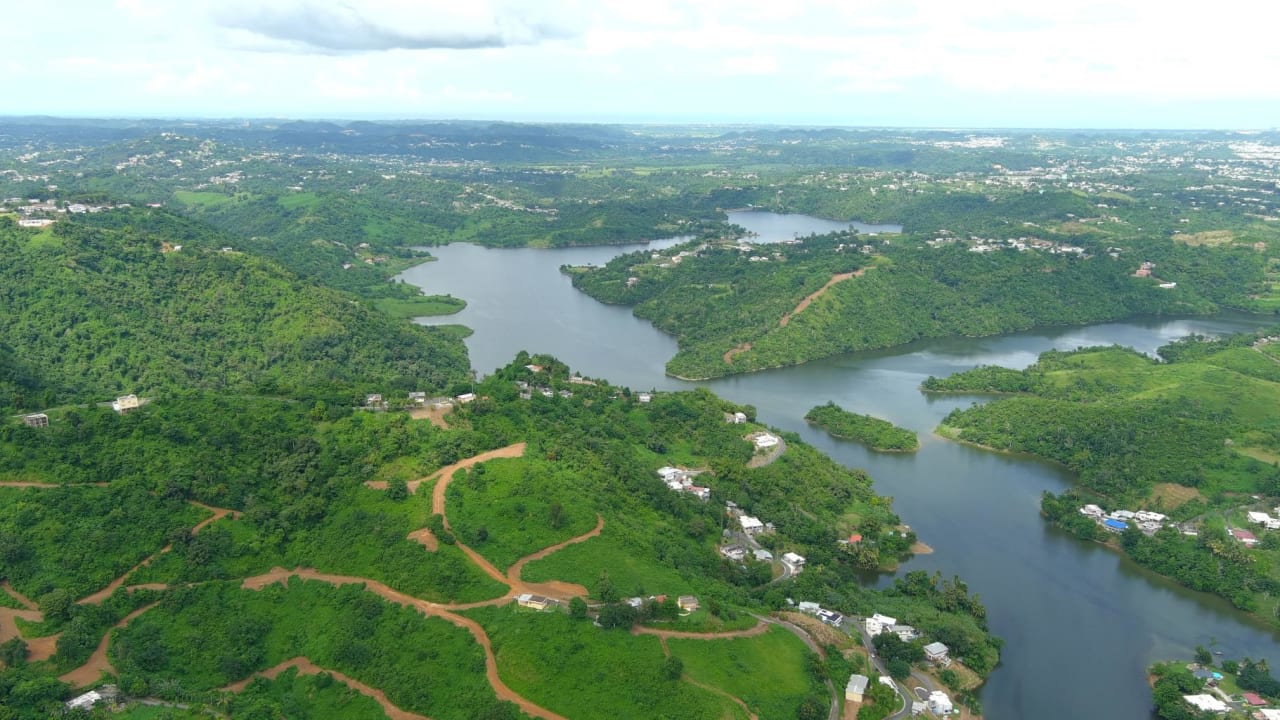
x: 850, y: 625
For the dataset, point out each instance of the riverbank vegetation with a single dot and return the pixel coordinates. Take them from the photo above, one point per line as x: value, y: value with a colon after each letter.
x: 871, y: 431
x: 1179, y: 435
x: 1227, y: 681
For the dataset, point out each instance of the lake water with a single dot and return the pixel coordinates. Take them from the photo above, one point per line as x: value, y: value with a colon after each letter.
x: 1080, y: 623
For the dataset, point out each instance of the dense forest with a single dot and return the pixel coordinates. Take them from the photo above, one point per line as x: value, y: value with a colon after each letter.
x: 1191, y: 434
x: 731, y: 312
x: 873, y: 432
x: 102, y: 312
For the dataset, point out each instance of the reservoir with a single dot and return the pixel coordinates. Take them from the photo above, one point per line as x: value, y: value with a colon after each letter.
x: 1080, y: 623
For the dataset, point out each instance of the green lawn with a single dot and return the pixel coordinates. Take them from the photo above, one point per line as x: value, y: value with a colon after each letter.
x: 768, y: 672
x: 583, y: 672
x: 424, y: 306
x: 628, y: 570
x: 192, y: 198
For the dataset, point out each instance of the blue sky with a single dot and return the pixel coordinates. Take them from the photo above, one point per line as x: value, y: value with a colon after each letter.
x: 979, y: 63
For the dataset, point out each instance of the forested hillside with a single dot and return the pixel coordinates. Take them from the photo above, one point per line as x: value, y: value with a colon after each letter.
x: 167, y: 523
x: 1193, y: 435
x: 735, y: 311
x: 98, y: 309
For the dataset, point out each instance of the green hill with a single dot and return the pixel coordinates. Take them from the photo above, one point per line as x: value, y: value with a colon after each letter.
x: 1194, y: 436
x: 735, y: 311
x: 94, y: 312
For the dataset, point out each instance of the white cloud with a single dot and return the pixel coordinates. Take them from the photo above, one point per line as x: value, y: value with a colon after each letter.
x: 749, y: 65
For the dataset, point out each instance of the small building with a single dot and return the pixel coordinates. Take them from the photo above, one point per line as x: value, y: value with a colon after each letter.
x: 1246, y: 537
x: 1253, y: 699
x: 830, y: 617
x: 536, y: 602
x: 918, y: 707
x: 887, y: 681
x: 1205, y: 703
x: 1266, y: 714
x: 739, y: 418
x: 750, y: 525
x: 635, y: 602
x: 885, y: 620
x: 936, y: 652
x: 106, y: 693
x: 373, y: 400
x: 125, y: 403
x: 466, y: 398
x: 644, y: 397
x: 1115, y: 526
x: 1258, y: 518
x: 763, y: 555
x: 733, y: 552
x: 702, y: 493
x: 809, y: 607
x: 795, y: 561
x: 36, y: 420
x: 940, y: 704
x: 856, y: 688
x: 905, y: 633
x: 764, y: 441
x: 418, y: 398
x: 873, y: 627
x: 1092, y: 511
x: 855, y: 538
x: 687, y: 603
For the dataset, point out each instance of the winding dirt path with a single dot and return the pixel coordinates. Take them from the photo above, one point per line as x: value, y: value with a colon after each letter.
x: 662, y: 639
x: 760, y: 628
x: 23, y: 600
x: 98, y: 662
x: 446, y: 474
x: 426, y: 608
x: 98, y: 597
x: 734, y: 351
x: 306, y: 667
x: 841, y: 277
x: 554, y: 588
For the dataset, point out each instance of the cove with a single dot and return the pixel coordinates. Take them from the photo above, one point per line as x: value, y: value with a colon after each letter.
x: 1080, y: 622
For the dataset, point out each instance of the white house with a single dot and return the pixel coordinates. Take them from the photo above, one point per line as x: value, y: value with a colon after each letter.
x: 1206, y: 703
x: 764, y: 441
x: 466, y: 397
x: 905, y: 633
x: 1150, y: 516
x: 644, y: 397
x: 856, y: 688
x: 536, y: 602
x: 940, y: 704
x: 750, y: 525
x: 763, y: 555
x: 1258, y: 518
x: 830, y: 617
x: 795, y: 561
x: 806, y: 606
x: 936, y: 652
x: 1267, y: 714
x: 125, y: 403
x: 1092, y: 511
x: 885, y: 620
x: 739, y: 418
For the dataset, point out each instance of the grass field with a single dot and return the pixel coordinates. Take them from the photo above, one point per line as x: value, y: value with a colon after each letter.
x: 506, y: 509
x: 628, y: 570
x: 583, y: 672
x: 192, y: 198
x: 739, y: 665
x: 425, y: 306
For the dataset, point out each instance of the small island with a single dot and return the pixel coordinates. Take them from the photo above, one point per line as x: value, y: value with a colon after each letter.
x: 873, y: 432
x: 1232, y: 689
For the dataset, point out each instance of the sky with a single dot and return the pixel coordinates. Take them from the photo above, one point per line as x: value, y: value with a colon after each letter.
x: 918, y: 63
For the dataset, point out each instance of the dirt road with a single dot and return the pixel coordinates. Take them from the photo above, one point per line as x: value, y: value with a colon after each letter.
x: 759, y: 629
x: 98, y: 663
x: 426, y: 608
x: 306, y: 667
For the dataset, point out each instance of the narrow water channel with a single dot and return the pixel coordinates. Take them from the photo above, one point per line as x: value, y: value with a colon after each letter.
x: 1080, y: 623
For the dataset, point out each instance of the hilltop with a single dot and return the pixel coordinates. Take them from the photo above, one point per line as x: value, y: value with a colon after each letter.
x: 149, y: 302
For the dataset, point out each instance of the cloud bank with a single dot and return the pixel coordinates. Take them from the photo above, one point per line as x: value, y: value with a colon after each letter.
x: 378, y: 25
